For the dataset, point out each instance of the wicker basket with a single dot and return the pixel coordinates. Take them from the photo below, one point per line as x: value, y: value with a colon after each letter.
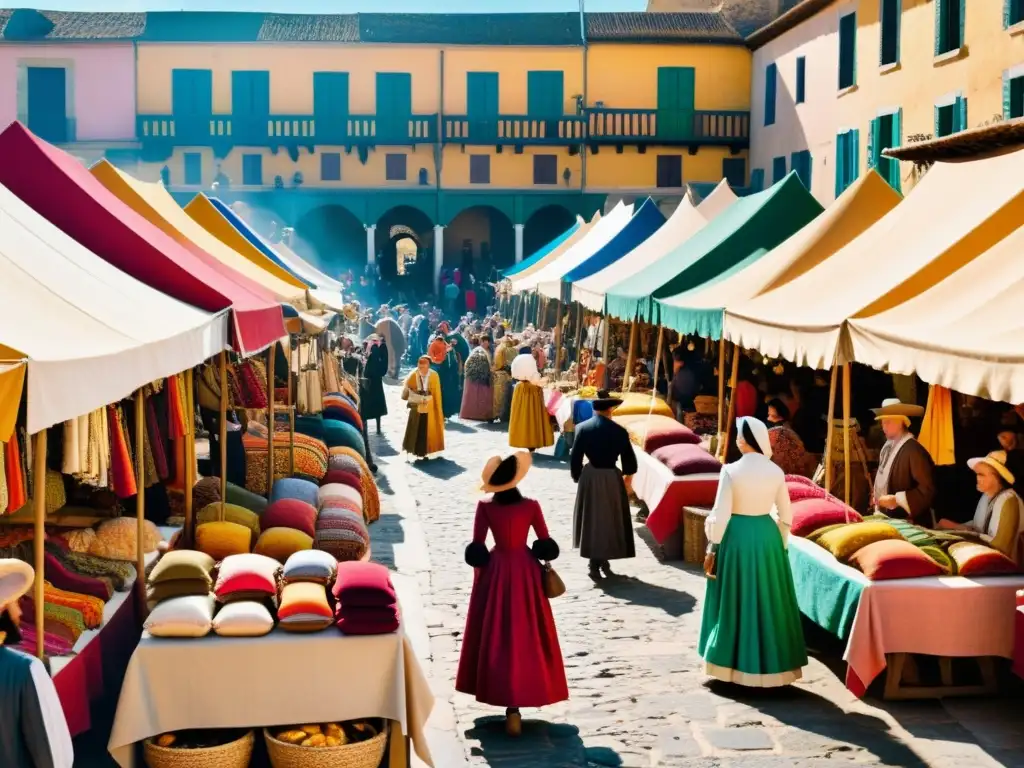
x: 706, y: 405
x: 235, y: 754
x: 362, y: 754
x: 695, y: 541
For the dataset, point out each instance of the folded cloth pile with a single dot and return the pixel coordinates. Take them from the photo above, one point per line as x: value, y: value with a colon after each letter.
x: 246, y: 589
x: 366, y: 599
x: 180, y: 573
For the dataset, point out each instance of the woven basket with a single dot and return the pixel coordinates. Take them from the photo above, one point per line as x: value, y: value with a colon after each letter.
x: 362, y: 754
x: 235, y: 754
x: 706, y: 404
x: 695, y: 542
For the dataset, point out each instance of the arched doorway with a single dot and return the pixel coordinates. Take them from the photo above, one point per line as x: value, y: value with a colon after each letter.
x: 333, y: 239
x: 404, y: 255
x: 478, y: 240
x: 545, y: 225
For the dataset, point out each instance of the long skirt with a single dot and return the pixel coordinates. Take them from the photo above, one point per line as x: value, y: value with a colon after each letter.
x: 506, y: 399
x: 750, y: 632
x: 477, y: 401
x: 498, y: 385
x: 530, y: 424
x: 415, y: 441
x: 601, y: 524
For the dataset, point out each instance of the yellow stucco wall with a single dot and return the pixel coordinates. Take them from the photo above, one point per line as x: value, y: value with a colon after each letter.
x: 609, y: 171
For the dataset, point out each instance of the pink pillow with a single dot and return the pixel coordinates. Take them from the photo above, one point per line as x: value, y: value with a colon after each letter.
x: 364, y: 584
x: 653, y: 432
x: 290, y: 513
x: 802, y: 480
x: 344, y: 477
x: 247, y: 573
x: 686, y: 459
x: 893, y: 559
x: 811, y: 514
x: 973, y: 559
x: 337, y: 502
x: 801, y: 491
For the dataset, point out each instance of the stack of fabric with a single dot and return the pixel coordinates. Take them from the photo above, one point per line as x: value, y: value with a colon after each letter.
x: 179, y: 594
x: 340, y: 529
x: 246, y: 592
x: 287, y: 527
x: 366, y: 600
x: 350, y: 460
x: 305, y: 606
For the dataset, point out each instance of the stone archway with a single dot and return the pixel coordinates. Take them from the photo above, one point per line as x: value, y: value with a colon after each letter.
x: 544, y: 225
x: 479, y: 239
x: 332, y: 238
x: 411, y: 230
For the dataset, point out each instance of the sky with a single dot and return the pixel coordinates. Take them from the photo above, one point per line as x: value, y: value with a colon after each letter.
x: 339, y: 6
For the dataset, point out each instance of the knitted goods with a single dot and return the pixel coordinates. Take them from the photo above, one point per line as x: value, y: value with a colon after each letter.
x: 340, y: 434
x: 342, y: 534
x: 232, y: 514
x: 241, y: 497
x: 293, y: 488
x: 205, y: 492
x: 121, y: 574
x: 344, y: 463
x: 338, y: 490
x: 63, y: 578
x: 282, y: 543
x: 80, y: 539
x: 310, y: 457
x: 342, y: 410
x: 341, y: 503
x: 116, y: 539
x: 290, y: 513
x: 91, y: 608
x: 221, y: 539
x: 371, y: 495
x: 364, y: 584
x: 310, y: 425
x: 351, y: 479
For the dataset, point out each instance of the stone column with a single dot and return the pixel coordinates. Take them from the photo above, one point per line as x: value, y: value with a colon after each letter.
x: 371, y: 243
x: 438, y: 257
x: 519, y: 242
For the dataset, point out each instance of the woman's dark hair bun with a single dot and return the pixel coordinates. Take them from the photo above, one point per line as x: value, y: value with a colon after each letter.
x: 748, y: 437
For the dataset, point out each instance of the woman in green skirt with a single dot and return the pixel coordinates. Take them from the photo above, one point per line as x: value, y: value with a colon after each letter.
x: 750, y: 632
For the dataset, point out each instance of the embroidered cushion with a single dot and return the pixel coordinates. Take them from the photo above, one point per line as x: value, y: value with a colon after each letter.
x: 338, y: 502
x: 893, y: 559
x: 247, y: 499
x: 311, y: 425
x: 686, y: 459
x: 364, y: 584
x: 342, y: 462
x: 247, y: 618
x: 290, y: 513
x: 282, y: 543
x: 304, y: 608
x: 844, y: 542
x: 181, y: 617
x: 342, y: 534
x: 801, y: 491
x: 233, y: 514
x: 654, y: 432
x: 339, y: 491
x: 344, y: 477
x: 294, y: 488
x: 813, y: 513
x: 220, y: 539
x: 801, y: 480
x: 940, y: 556
x: 915, y: 534
x: 371, y: 495
x: 247, y: 573
x: 637, y: 403
x: 367, y: 627
x: 340, y: 434
x: 979, y: 560
x: 311, y: 565
x: 345, y: 412
x: 182, y: 564
x: 815, y: 535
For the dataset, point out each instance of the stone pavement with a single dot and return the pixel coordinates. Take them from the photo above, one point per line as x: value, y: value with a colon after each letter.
x: 638, y: 696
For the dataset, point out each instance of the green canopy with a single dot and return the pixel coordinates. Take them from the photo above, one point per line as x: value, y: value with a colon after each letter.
x: 747, y: 230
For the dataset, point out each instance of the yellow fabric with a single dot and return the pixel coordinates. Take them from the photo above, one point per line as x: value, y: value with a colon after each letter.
x: 937, y: 428
x: 637, y: 403
x: 845, y: 541
x: 530, y: 424
x: 12, y: 382
x: 232, y: 514
x: 282, y: 543
x: 435, y: 419
x: 220, y: 539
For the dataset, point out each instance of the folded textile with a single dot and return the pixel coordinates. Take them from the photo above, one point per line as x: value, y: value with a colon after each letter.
x: 357, y: 627
x: 165, y: 590
x: 53, y: 645
x: 364, y: 584
x: 358, y: 614
x: 63, y: 578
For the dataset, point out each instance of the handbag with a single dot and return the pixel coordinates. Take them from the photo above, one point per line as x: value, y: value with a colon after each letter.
x: 711, y: 562
x: 551, y: 581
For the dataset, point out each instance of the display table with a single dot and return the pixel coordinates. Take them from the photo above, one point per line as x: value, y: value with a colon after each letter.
x: 665, y: 496
x: 279, y: 679
x: 943, y: 616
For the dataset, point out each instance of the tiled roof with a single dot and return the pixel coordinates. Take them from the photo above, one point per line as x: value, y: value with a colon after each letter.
x: 685, y: 26
x: 795, y: 14
x: 26, y: 24
x: 309, y: 28
x: 471, y: 28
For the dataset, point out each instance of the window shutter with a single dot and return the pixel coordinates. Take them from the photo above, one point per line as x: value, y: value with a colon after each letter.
x: 770, y: 77
x: 757, y: 180
x: 935, y: 110
x: 961, y: 112
x: 1006, y: 92
x: 897, y: 141
x: 840, y: 162
x: 808, y: 166
x: 1007, y: 11
x: 963, y: 23
x: 854, y: 154
x: 940, y: 19
x: 874, y: 142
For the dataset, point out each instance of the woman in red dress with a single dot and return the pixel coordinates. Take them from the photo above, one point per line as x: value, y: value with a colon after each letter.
x: 510, y: 653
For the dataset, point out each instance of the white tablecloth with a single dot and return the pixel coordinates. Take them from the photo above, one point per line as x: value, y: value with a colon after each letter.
x: 279, y: 679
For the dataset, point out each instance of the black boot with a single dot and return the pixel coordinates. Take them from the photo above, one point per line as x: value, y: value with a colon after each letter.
x: 595, y: 570
x: 606, y: 569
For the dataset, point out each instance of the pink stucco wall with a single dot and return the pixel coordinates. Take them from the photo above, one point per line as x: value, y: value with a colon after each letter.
x: 103, y: 85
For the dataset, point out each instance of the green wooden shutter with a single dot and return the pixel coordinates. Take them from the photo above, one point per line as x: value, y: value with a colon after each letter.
x: 940, y: 24
x: 47, y: 103
x: 963, y: 23
x: 855, y: 156
x: 545, y: 94
x: 960, y: 114
x: 801, y: 79
x: 840, y: 162
x: 1007, y: 15
x: 330, y: 106
x: 1017, y: 97
x: 770, y: 88
x: 848, y: 50
x: 1006, y: 94
x: 757, y: 179
x: 897, y: 141
x: 192, y: 104
x: 675, y: 102
x: 393, y: 106
x: 482, y: 104
x: 250, y: 93
x: 874, y: 142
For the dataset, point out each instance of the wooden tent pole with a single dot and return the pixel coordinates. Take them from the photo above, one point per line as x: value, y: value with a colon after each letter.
x: 846, y: 431
x: 271, y: 356
x: 39, y: 541
x: 559, y: 337
x: 223, y: 435
x: 831, y: 428
x: 140, y: 498
x: 190, y: 451
x: 579, y: 342
x: 291, y: 403
x: 540, y: 316
x: 721, y: 386
x: 629, y: 356
x: 733, y: 380
x: 657, y: 361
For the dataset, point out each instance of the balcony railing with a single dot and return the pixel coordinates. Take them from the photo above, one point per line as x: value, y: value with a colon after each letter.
x: 514, y: 129
x: 673, y: 127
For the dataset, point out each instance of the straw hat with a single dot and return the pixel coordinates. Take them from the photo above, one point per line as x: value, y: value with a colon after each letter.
x: 16, y: 577
x: 758, y: 431
x: 523, y: 461
x: 996, y: 460
x: 892, y: 408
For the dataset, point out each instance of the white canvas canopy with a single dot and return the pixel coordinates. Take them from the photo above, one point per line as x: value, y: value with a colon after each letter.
x: 957, y: 212
x: 581, y: 250
x: 685, y: 221
x: 89, y: 333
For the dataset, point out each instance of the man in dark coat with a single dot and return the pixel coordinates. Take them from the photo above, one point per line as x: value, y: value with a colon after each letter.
x: 905, y: 483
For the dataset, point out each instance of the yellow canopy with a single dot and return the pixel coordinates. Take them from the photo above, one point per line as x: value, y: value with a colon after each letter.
x: 12, y: 382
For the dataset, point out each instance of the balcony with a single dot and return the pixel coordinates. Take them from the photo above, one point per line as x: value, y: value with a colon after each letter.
x: 652, y: 127
x: 569, y: 130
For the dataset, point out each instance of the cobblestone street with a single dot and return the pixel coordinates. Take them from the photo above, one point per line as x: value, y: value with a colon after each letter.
x: 638, y: 697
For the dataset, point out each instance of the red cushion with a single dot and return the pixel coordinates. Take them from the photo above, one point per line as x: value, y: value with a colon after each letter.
x: 802, y: 480
x: 811, y: 514
x: 344, y: 477
x: 686, y: 459
x: 979, y: 560
x: 893, y: 559
x: 290, y: 513
x: 801, y: 491
x: 367, y: 584
x: 653, y: 432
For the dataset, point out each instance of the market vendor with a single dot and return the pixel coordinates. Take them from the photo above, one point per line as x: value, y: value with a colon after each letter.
x: 33, y: 731
x: 1000, y: 512
x: 905, y: 483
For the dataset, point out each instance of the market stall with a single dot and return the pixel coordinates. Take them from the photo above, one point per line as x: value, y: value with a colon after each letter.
x: 552, y: 249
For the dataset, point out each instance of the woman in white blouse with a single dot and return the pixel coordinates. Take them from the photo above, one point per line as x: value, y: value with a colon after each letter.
x: 750, y: 632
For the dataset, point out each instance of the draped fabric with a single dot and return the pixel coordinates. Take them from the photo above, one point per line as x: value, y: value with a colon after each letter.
x: 122, y: 473
x: 16, y: 495
x: 937, y: 428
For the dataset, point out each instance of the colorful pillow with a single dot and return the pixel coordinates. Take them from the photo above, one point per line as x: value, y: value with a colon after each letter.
x: 802, y: 491
x: 371, y: 494
x: 974, y: 559
x: 293, y: 488
x: 116, y: 539
x: 311, y: 425
x: 650, y: 433
x: 844, y: 542
x: 248, y: 618
x: 915, y: 534
x: 893, y: 559
x: 338, y: 434
x: 304, y: 607
x: 345, y: 412
x: 246, y: 499
x: 290, y: 513
x: 342, y: 534
x: 811, y: 514
x: 339, y: 491
x: 282, y: 543
x: 637, y: 404
x: 232, y: 514
x: 247, y: 573
x: 181, y: 617
x: 940, y: 556
x: 686, y: 459
x: 337, y: 502
x: 364, y: 584
x: 815, y: 535
x: 182, y: 564
x: 311, y: 565
x: 205, y: 492
x: 344, y: 477
x: 165, y: 590
x: 343, y: 462
x: 801, y: 480
x: 221, y: 539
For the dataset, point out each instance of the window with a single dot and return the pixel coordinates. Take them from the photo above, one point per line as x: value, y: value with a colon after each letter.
x: 801, y: 79
x: 330, y: 108
x: 949, y: 25
x: 890, y: 12
x: 394, y: 167
x: 848, y: 51
x: 757, y: 179
x: 545, y: 169
x: 670, y: 170
x: 479, y: 169
x: 250, y: 105
x: 771, y: 76
x: 482, y: 105
x: 1013, y: 95
x: 330, y: 166
x: 193, y: 169
x: 252, y: 170
x: 847, y: 159
x: 801, y: 163
x: 675, y: 111
x: 951, y: 118
x: 734, y: 171
x: 394, y: 109
x: 545, y: 94
x: 778, y: 169
x: 886, y: 133
x: 1013, y: 12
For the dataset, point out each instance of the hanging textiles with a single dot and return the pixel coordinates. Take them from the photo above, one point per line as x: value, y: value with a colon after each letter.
x: 122, y: 472
x: 247, y: 380
x: 330, y: 379
x: 16, y: 494
x: 937, y: 426
x: 3, y: 485
x: 156, y: 441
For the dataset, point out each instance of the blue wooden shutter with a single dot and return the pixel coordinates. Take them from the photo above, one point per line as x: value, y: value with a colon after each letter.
x: 940, y: 24
x: 330, y: 106
x: 47, y: 103
x: 1007, y: 110
x: 854, y: 155
x: 801, y: 79
x: 874, y: 142
x: 482, y: 104
x: 778, y: 169
x: 192, y: 104
x: 840, y: 162
x: 960, y: 114
x: 770, y: 88
x: 848, y: 50
x: 545, y: 94
x: 757, y: 179
x: 963, y: 23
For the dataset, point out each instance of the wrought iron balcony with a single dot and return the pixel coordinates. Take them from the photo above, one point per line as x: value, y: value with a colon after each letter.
x: 668, y: 127
x: 568, y: 130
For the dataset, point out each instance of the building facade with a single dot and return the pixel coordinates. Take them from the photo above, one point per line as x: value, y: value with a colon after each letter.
x: 837, y: 82
x: 478, y: 136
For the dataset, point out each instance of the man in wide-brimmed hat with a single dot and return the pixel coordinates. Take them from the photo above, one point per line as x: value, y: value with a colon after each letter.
x: 905, y: 483
x: 33, y: 731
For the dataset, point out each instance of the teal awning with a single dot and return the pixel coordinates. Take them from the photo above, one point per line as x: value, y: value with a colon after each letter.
x: 541, y: 253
